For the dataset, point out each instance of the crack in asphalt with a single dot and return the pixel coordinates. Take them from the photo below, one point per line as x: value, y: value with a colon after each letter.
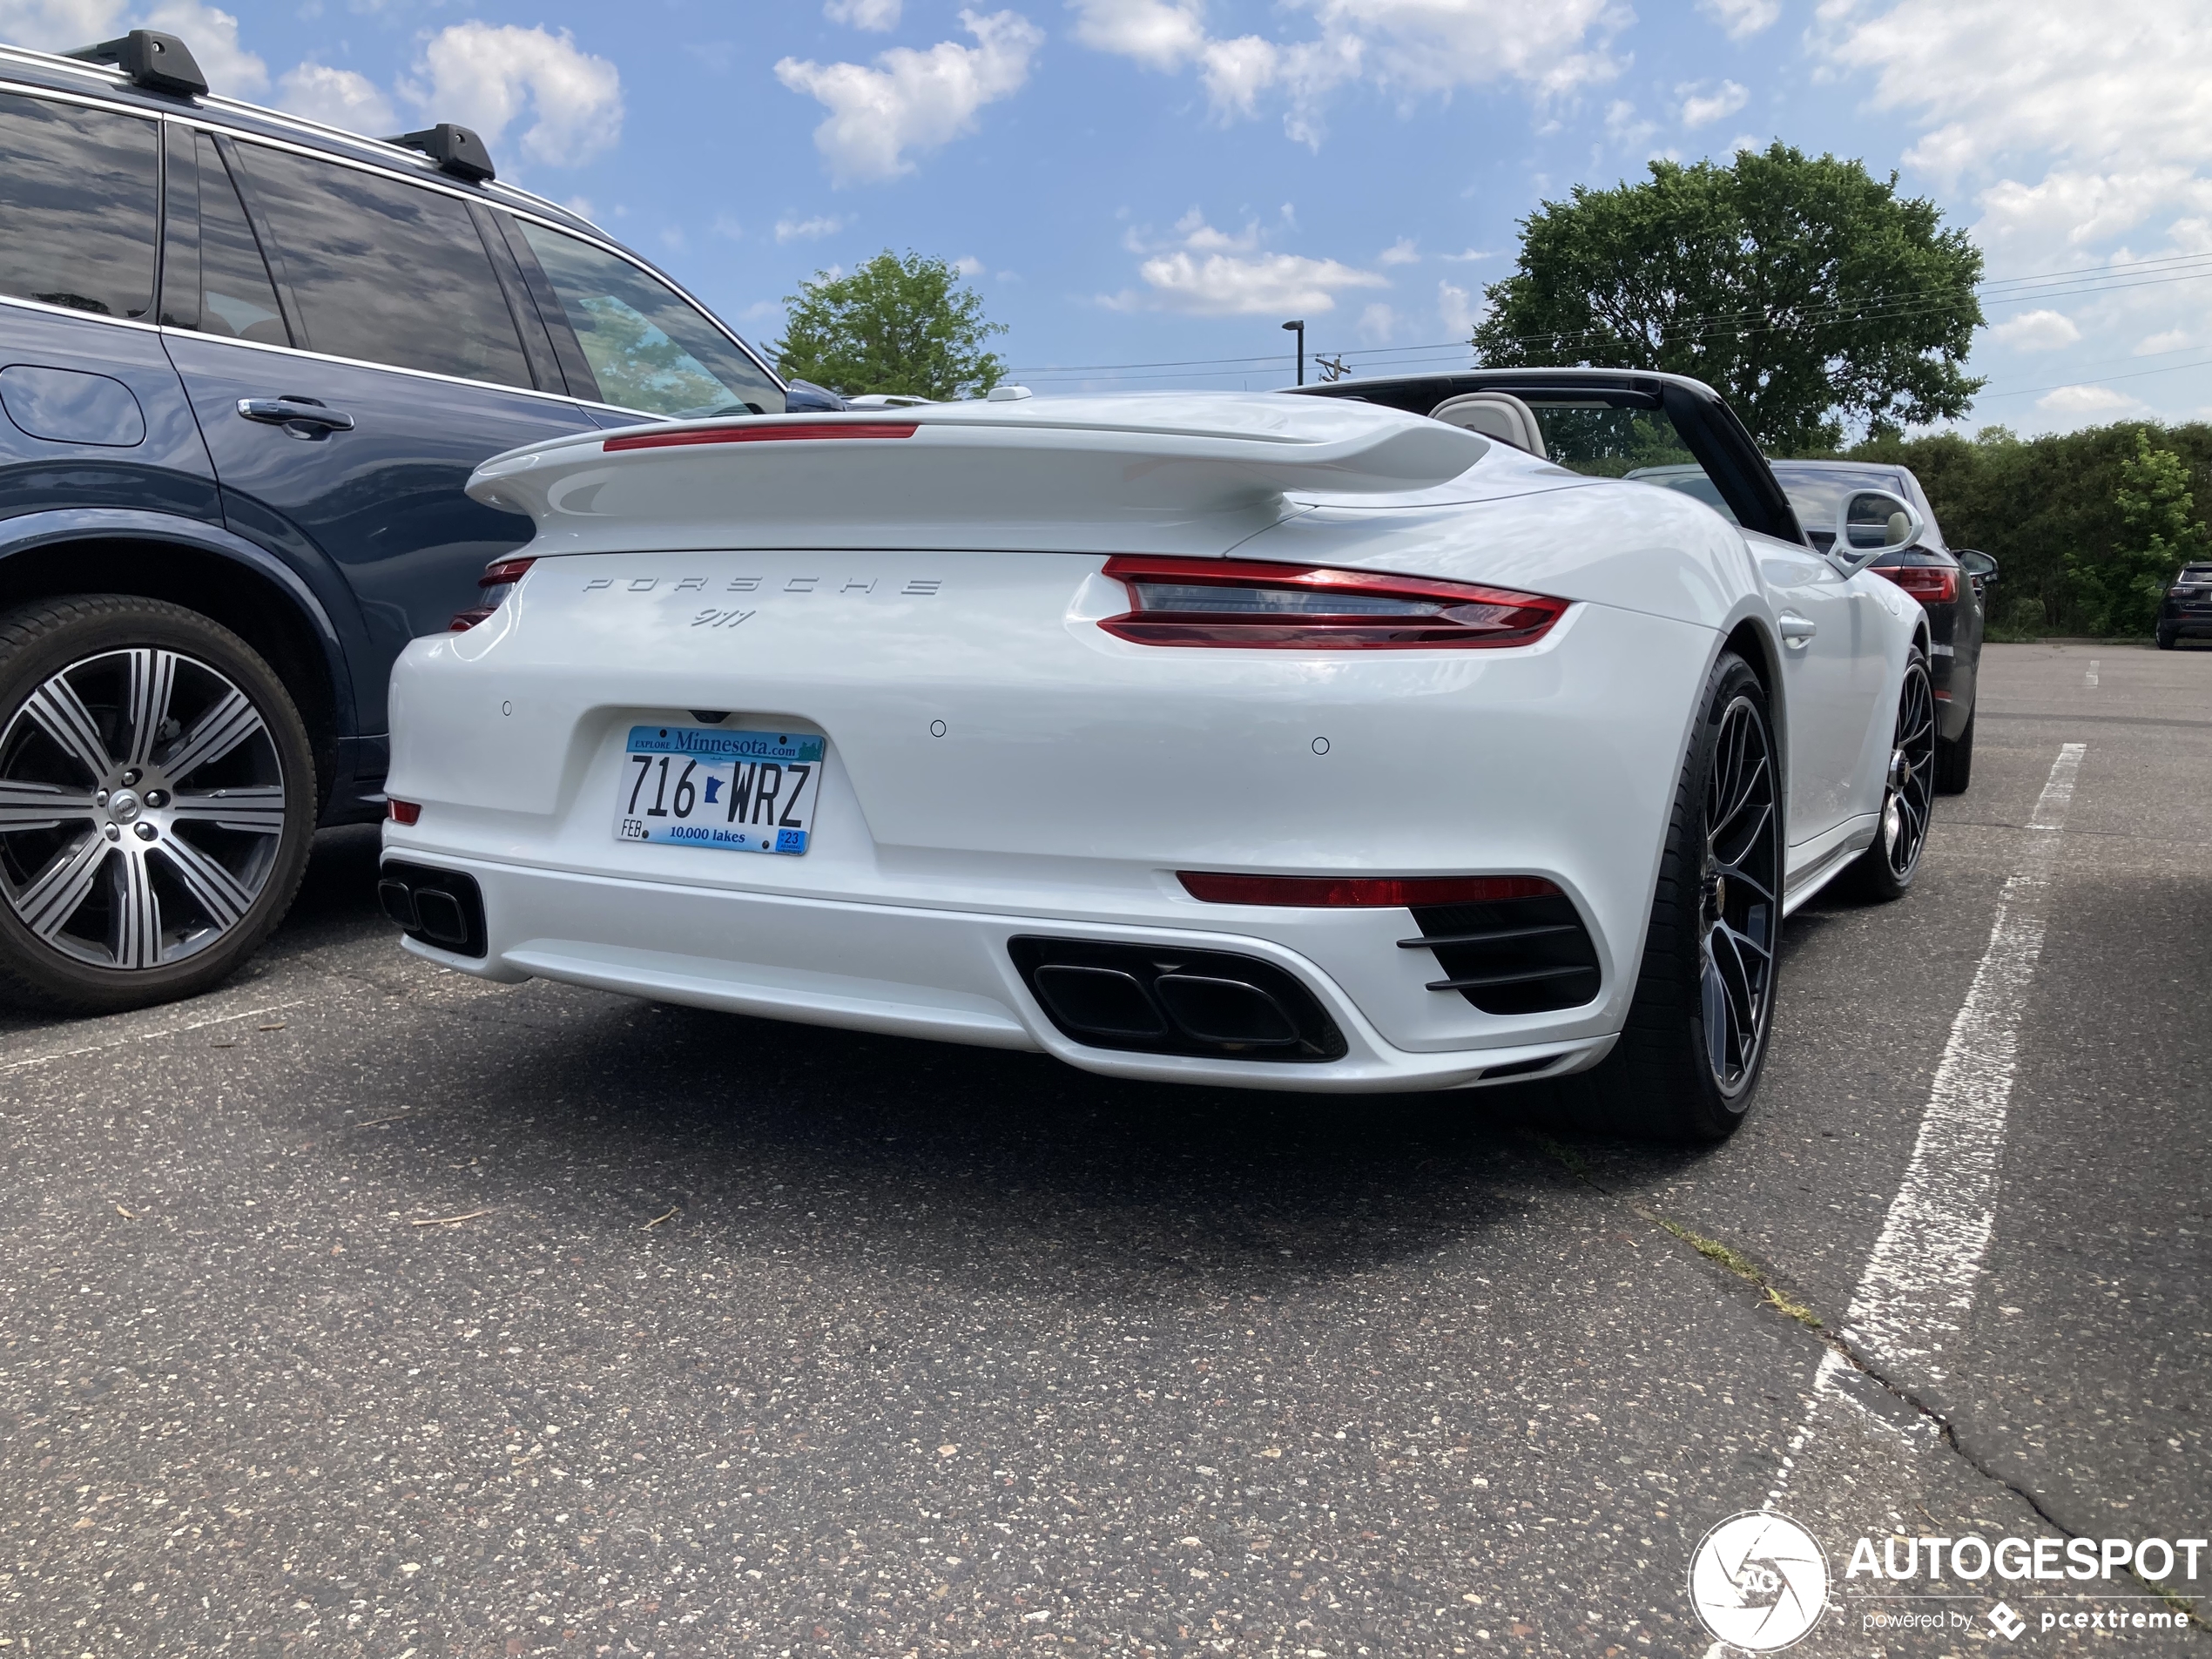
x: 1741, y: 1268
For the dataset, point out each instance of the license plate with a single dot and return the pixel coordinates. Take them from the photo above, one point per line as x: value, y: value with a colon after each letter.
x: 740, y: 792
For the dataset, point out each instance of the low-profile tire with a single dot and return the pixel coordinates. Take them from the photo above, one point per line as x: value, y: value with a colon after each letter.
x: 2166, y: 640
x: 1955, y: 761
x: 157, y: 802
x: 1687, y: 1061
x: 1885, y: 871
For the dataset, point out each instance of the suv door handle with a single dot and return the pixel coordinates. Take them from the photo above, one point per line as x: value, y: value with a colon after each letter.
x: 304, y: 417
x: 1795, y: 629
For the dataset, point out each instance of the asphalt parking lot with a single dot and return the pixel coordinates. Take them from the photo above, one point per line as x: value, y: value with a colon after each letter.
x: 364, y: 1308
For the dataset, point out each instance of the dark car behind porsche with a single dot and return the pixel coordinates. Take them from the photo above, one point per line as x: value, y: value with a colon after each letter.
x: 2186, y: 612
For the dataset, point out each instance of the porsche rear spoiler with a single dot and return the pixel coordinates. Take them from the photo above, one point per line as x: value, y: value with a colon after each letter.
x: 1188, y: 473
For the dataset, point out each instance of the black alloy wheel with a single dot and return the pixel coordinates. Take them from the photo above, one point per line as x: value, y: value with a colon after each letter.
x: 1687, y: 1061
x: 157, y: 799
x: 1886, y: 869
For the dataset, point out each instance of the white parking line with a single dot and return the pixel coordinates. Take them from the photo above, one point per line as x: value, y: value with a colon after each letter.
x: 1918, y: 1287
x: 149, y: 1036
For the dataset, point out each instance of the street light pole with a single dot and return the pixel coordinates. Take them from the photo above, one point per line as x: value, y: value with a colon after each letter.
x: 1298, y: 329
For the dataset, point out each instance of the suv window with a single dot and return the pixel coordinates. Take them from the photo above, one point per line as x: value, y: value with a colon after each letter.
x: 77, y: 196
x: 384, y: 271
x: 648, y: 348
x: 231, y: 294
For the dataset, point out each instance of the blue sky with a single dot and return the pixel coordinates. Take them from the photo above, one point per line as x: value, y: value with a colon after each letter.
x: 1152, y: 182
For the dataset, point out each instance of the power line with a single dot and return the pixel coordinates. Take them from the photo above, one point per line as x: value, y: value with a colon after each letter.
x: 1894, y: 306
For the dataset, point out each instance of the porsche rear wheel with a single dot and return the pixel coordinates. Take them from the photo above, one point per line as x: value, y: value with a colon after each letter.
x: 1687, y: 1061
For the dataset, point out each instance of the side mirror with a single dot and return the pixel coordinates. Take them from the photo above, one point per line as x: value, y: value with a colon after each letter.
x: 1870, y: 523
x: 1977, y: 565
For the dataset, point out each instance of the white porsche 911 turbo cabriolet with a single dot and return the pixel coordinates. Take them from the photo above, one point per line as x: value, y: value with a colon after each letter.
x: 1269, y: 741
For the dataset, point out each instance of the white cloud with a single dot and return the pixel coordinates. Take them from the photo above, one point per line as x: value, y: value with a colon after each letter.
x: 912, y: 100
x: 1208, y: 272
x: 2040, y: 330
x: 808, y: 230
x: 1377, y: 324
x: 1159, y: 34
x: 1411, y: 46
x: 2072, y: 126
x: 2085, y: 400
x: 1469, y: 256
x: 1623, y: 127
x: 1460, y: 311
x: 338, y: 98
x: 64, y: 26
x: 2123, y: 83
x: 968, y: 266
x: 56, y: 25
x: 877, y: 15
x: 2171, y: 339
x: 483, y: 75
x: 1400, y: 252
x: 1701, y: 108
x: 726, y: 227
x: 1742, y: 18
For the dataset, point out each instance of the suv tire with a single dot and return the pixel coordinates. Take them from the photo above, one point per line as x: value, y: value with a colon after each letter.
x: 1955, y: 761
x: 157, y: 802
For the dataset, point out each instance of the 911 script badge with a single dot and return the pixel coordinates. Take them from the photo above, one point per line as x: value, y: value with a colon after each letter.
x: 721, y: 618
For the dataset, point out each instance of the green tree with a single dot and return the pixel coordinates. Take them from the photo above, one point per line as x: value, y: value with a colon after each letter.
x: 897, y: 325
x: 1806, y: 291
x: 2159, y: 532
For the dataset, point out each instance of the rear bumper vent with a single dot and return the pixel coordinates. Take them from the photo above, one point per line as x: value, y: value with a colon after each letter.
x: 440, y: 907
x: 1516, y: 956
x: 1163, y: 1001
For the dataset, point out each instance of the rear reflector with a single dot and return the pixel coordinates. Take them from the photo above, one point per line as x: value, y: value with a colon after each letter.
x: 401, y: 811
x: 755, y: 433
x: 1367, y: 892
x: 1932, y: 585
x: 1293, y: 607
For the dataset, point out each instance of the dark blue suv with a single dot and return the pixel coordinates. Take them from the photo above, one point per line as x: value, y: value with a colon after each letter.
x: 247, y: 363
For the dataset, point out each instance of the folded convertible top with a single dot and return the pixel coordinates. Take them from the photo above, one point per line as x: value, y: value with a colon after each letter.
x: 1191, y: 472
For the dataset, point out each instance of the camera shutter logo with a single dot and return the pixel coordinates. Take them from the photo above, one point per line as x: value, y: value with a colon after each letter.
x: 1758, y: 1581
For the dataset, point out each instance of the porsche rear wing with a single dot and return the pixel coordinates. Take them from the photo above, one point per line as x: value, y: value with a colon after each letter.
x: 1185, y: 473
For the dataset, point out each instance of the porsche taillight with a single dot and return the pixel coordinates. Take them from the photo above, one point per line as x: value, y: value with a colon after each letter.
x: 1293, y: 607
x: 1932, y: 585
x: 492, y: 587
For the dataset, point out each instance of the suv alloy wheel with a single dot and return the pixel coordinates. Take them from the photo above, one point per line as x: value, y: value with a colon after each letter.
x: 157, y: 800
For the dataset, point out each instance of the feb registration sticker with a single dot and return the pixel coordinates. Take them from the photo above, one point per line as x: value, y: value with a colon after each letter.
x: 741, y: 791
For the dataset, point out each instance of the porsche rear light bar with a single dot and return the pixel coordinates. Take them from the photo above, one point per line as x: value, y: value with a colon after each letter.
x: 492, y: 588
x: 758, y: 434
x: 1932, y: 585
x: 1295, y: 607
x: 1362, y: 892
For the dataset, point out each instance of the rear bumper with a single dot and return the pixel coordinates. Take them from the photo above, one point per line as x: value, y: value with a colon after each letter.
x: 945, y: 974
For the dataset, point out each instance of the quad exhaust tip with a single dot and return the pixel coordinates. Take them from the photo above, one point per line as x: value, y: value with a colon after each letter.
x: 1155, y: 1000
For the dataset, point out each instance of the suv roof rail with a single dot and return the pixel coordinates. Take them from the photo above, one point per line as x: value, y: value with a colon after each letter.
x: 457, y: 150
x: 157, y: 62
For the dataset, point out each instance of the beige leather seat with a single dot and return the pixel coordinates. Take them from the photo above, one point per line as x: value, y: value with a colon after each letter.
x: 1494, y: 415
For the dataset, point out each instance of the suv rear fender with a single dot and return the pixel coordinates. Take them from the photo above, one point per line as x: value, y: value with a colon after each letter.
x: 222, y: 576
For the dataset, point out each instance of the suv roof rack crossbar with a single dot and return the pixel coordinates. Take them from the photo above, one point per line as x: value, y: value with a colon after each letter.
x: 149, y: 58
x: 457, y: 150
